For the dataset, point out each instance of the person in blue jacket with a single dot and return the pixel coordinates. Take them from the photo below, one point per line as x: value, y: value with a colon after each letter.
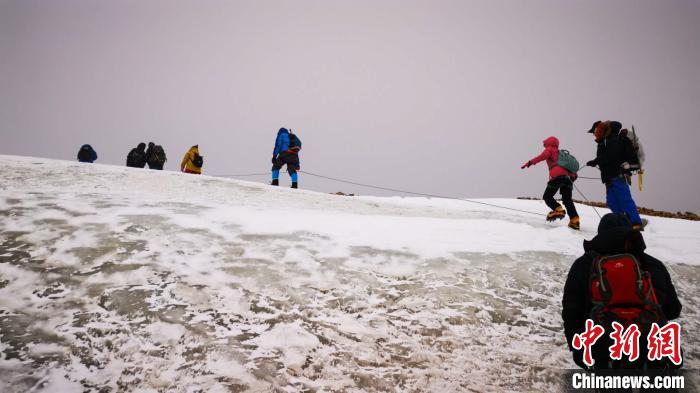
x: 286, y: 152
x: 87, y: 154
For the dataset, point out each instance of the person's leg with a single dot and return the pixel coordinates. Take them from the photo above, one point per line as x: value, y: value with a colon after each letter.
x: 611, y: 198
x: 292, y: 161
x: 566, y: 190
x: 548, y: 196
x: 276, y: 166
x: 625, y: 201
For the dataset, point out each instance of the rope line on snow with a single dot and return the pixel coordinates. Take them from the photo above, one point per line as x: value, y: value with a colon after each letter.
x: 416, y: 193
x: 389, y: 189
x: 586, y: 199
x: 246, y: 174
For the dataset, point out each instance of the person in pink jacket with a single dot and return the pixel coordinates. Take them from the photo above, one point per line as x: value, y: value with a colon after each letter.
x: 560, y: 180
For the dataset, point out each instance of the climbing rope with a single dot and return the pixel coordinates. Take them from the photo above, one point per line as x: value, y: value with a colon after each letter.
x: 245, y: 174
x: 586, y: 199
x: 389, y: 189
x: 417, y: 193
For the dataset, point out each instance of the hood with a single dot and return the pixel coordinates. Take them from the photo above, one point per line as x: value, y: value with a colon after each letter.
x: 282, y: 131
x: 141, y: 146
x: 616, y: 241
x: 552, y: 141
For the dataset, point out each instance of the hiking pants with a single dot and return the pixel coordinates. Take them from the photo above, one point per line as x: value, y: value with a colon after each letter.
x: 620, y: 200
x: 564, y: 185
x: 289, y: 159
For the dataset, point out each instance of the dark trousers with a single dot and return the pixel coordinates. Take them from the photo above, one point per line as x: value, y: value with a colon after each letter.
x: 565, y: 186
x: 289, y: 159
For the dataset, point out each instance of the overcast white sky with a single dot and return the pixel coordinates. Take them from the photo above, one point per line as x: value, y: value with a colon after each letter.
x: 446, y: 97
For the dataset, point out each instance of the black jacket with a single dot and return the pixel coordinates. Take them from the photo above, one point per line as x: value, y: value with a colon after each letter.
x: 611, y: 153
x: 576, y: 303
x: 136, y: 158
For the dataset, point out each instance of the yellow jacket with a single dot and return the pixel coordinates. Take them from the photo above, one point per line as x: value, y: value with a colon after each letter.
x: 186, y: 165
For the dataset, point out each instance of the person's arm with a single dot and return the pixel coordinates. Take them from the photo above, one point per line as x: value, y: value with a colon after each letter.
x: 276, y: 150
x: 663, y: 287
x: 607, y: 152
x: 574, y: 305
x: 574, y: 300
x: 543, y: 156
x: 185, y: 160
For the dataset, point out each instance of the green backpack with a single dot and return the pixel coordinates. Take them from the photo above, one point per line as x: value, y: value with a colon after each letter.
x: 567, y: 161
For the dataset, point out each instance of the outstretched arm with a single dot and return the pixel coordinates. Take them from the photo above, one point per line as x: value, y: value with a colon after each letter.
x: 543, y: 156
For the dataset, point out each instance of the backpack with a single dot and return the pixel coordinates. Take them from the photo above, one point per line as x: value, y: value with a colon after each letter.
x: 637, y: 160
x: 294, y: 142
x: 136, y: 158
x: 622, y: 292
x: 85, y: 153
x: 158, y: 155
x: 567, y: 161
x: 198, y: 160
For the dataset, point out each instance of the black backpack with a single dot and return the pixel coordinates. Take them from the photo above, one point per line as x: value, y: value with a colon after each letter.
x: 85, y: 153
x: 198, y: 160
x: 158, y: 155
x: 294, y: 142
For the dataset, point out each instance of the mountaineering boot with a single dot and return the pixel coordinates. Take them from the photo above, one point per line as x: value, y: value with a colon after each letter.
x: 294, y: 184
x: 640, y: 227
x: 556, y: 214
x: 275, y: 182
x: 574, y: 223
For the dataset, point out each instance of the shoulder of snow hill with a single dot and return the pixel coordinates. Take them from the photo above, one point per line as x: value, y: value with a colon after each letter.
x: 444, y: 225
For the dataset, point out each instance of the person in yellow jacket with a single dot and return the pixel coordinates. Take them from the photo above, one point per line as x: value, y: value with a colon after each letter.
x: 192, y: 162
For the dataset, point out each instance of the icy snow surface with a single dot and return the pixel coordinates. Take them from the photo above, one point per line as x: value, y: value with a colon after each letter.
x: 128, y: 280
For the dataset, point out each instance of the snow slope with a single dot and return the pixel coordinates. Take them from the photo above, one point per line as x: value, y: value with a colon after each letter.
x: 121, y: 279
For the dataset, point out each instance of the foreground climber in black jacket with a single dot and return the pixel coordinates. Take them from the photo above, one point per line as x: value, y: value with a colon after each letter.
x: 615, y: 236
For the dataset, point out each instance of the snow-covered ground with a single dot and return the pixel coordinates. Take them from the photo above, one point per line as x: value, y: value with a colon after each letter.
x: 127, y: 280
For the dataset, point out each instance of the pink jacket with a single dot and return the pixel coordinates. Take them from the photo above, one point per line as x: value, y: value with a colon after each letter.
x: 551, y: 154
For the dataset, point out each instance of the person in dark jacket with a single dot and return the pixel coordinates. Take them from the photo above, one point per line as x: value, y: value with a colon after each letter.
x: 286, y: 152
x: 613, y: 154
x: 137, y: 156
x: 615, y: 236
x: 155, y: 156
x: 87, y: 154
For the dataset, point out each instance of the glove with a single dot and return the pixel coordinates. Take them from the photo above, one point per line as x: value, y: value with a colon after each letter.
x: 590, y: 163
x: 526, y: 165
x: 274, y: 159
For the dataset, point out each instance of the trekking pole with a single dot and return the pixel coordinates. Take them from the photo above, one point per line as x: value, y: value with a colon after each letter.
x: 586, y: 199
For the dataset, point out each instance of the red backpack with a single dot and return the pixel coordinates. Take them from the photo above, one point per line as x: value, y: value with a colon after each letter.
x: 622, y: 292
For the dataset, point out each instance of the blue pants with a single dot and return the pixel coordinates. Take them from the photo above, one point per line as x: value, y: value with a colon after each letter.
x: 620, y: 200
